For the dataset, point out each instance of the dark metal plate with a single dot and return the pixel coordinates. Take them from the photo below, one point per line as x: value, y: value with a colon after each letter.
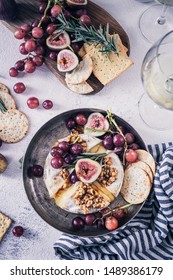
x: 37, y: 193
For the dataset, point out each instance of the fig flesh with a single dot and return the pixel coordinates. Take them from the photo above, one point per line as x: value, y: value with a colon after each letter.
x: 67, y: 61
x: 87, y: 170
x: 76, y: 3
x: 97, y: 125
x: 3, y: 163
x: 58, y: 40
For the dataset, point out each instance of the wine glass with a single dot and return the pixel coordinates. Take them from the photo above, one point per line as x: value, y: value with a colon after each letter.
x: 157, y: 20
x: 156, y: 105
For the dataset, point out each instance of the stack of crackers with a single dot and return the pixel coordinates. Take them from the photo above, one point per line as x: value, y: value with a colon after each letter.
x: 13, y: 123
x: 138, y: 178
x: 105, y: 67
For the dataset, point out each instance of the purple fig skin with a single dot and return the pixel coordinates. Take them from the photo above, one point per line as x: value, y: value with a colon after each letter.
x: 3, y: 163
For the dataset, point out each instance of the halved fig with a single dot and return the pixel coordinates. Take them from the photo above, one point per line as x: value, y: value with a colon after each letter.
x: 87, y: 170
x: 58, y: 40
x: 76, y: 3
x: 97, y: 125
x: 66, y: 61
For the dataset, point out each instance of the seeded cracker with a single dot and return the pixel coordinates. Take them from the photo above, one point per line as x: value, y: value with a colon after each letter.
x: 13, y: 126
x: 8, y: 100
x: 4, y: 88
x: 5, y: 223
x: 105, y: 68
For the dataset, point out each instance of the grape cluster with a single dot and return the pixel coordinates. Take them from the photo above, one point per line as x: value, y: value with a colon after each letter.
x: 108, y: 220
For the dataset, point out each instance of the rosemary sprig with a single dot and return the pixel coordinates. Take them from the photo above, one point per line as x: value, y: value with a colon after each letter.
x: 3, y: 109
x: 113, y: 122
x: 89, y: 34
x: 93, y: 156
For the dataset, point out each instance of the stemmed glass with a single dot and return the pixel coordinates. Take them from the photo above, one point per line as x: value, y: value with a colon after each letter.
x: 157, y: 20
x: 156, y: 105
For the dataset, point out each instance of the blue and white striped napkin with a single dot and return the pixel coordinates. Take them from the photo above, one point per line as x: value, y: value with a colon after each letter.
x: 149, y: 236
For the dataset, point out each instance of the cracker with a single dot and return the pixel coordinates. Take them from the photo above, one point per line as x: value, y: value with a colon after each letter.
x: 4, y: 88
x: 5, y: 223
x: 144, y: 166
x: 8, y: 100
x: 83, y: 88
x: 136, y: 185
x: 108, y: 67
x: 81, y: 73
x: 13, y: 126
x: 147, y: 158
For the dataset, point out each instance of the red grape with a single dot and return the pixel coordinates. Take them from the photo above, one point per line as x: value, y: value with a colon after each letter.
x: 66, y: 14
x: 50, y: 28
x: 86, y: 20
x: 100, y: 224
x: 118, y: 213
x: 69, y: 159
x: 78, y: 223
x: 38, y: 60
x: 26, y: 27
x: 89, y: 219
x: 118, y: 140
x: 42, y: 7
x: 37, y: 32
x: 29, y: 66
x: 18, y: 231
x: 56, y: 10
x: 111, y: 223
x: 81, y: 119
x: 76, y: 149
x: 131, y: 155
x: 134, y: 146
x: 19, y: 87
x: 75, y: 47
x: 108, y: 142
x: 22, y: 49
x: 47, y: 104
x: 39, y: 50
x: 130, y: 138
x: 118, y: 150
x: 53, y: 56
x: 57, y: 162
x: 33, y: 102
x: 71, y: 123
x: 19, y: 65
x: 13, y: 72
x: 81, y: 12
x: 64, y: 146
x: 19, y: 34
x: 35, y: 23
x: 37, y: 171
x: 30, y: 45
x: 73, y: 177
x: 56, y: 152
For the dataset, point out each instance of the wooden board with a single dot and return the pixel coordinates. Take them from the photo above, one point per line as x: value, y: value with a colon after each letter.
x: 27, y: 12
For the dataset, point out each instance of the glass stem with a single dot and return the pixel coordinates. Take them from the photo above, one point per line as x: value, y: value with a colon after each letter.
x: 162, y: 19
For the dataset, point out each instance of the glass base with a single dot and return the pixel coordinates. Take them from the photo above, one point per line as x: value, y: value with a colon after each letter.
x: 153, y: 115
x: 149, y: 25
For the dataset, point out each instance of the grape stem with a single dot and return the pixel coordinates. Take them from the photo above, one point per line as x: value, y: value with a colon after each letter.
x: 110, y: 212
x: 45, y: 12
x: 113, y: 122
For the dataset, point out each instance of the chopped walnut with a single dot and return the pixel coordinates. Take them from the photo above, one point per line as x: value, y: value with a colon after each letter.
x: 108, y: 174
x: 74, y: 137
x: 86, y: 197
x: 65, y: 175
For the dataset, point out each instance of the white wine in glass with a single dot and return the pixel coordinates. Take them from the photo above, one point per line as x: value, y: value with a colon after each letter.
x: 157, y: 20
x: 157, y: 78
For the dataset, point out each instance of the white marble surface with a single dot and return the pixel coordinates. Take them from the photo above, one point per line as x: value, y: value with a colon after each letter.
x: 122, y: 96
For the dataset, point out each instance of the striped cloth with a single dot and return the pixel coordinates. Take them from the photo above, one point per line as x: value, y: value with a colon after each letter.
x: 149, y: 236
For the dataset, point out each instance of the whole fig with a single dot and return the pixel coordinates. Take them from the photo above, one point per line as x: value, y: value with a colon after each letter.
x: 3, y: 163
